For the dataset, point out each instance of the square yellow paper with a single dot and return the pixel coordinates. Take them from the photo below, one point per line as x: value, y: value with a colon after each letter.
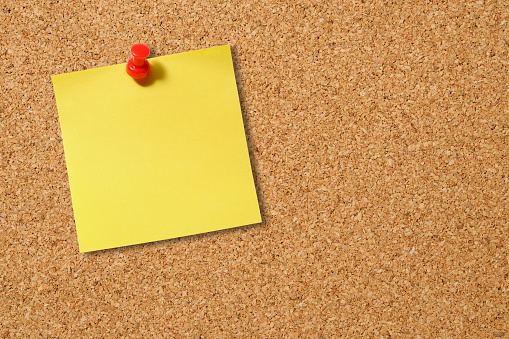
x: 158, y: 159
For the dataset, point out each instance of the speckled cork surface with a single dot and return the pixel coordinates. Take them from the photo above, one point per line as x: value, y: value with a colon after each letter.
x: 379, y: 138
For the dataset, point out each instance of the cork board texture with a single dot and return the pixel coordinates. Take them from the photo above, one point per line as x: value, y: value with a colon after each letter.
x: 378, y: 134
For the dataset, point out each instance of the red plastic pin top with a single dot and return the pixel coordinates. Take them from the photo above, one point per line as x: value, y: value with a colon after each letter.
x: 138, y: 66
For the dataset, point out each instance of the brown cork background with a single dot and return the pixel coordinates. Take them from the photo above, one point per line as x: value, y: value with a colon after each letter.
x: 379, y: 138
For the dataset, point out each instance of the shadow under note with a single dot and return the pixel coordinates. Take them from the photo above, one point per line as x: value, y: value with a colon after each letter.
x: 254, y: 163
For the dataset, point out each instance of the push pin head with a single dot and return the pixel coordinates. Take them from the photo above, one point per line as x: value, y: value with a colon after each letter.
x: 138, y: 67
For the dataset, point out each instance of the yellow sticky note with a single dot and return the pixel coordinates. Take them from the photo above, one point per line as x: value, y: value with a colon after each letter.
x: 158, y: 159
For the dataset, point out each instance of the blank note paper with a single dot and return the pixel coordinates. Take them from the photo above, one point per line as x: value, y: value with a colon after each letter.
x: 156, y: 159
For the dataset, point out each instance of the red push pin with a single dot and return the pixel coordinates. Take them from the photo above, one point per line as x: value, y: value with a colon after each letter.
x: 138, y: 67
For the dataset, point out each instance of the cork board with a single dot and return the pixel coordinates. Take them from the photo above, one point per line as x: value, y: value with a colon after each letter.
x: 378, y: 133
